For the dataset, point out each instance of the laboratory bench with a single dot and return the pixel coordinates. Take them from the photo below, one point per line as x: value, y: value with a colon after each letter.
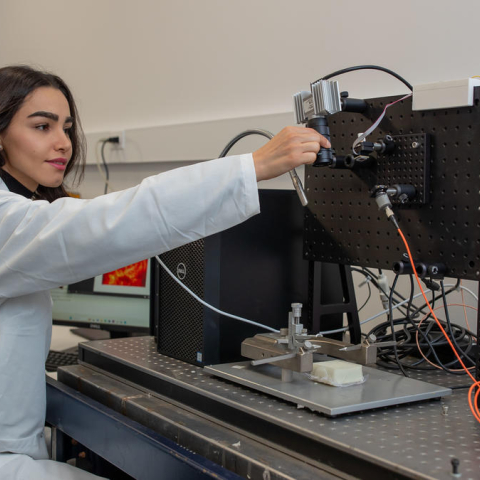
x: 153, y: 416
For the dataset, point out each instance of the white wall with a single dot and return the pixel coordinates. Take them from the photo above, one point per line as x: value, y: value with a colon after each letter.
x: 153, y: 63
x: 144, y: 63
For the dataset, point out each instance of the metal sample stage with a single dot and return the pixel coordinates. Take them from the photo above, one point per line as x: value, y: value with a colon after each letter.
x: 380, y: 389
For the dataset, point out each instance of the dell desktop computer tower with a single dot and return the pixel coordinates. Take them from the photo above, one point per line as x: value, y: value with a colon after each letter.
x: 254, y: 270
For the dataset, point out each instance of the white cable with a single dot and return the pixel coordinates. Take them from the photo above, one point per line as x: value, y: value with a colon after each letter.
x: 414, y: 297
x: 467, y: 290
x: 344, y: 329
x: 383, y: 312
x: 328, y: 332
x: 364, y: 135
x: 196, y: 297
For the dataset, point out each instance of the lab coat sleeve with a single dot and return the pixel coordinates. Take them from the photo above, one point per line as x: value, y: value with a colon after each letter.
x: 44, y: 245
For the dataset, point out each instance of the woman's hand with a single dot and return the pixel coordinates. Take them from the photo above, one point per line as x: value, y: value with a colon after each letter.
x: 292, y: 147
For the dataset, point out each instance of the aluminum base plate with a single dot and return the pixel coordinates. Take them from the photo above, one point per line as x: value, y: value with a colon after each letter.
x: 380, y: 389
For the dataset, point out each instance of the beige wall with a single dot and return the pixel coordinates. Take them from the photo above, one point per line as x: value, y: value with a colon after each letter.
x: 149, y: 63
x: 155, y: 62
x: 134, y: 64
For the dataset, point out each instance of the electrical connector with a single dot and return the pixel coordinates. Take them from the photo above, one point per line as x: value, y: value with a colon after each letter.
x: 117, y: 140
x: 382, y: 281
x: 367, y: 280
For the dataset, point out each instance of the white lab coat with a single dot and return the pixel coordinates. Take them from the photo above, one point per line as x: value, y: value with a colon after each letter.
x: 45, y: 245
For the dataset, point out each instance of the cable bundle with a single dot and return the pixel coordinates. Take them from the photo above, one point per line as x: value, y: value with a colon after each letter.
x: 421, y: 344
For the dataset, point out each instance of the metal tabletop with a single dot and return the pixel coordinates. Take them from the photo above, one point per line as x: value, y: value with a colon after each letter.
x: 415, y: 440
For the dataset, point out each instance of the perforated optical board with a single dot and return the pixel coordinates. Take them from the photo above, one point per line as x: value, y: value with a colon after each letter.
x: 258, y: 436
x: 437, y: 152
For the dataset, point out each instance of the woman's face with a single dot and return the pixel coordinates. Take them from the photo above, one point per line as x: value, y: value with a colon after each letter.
x: 36, y: 144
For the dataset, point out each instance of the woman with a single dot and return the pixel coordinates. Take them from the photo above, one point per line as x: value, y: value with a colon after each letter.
x: 48, y: 239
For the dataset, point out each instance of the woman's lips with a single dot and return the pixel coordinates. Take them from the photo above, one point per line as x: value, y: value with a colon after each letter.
x: 58, y: 163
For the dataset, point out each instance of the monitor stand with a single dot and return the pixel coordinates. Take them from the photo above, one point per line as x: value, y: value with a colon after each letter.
x: 91, y: 333
x: 98, y: 334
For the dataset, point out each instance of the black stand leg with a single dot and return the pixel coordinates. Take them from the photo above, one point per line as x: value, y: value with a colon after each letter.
x: 332, y: 294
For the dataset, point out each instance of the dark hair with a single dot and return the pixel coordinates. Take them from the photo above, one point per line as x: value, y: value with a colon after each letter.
x: 16, y: 83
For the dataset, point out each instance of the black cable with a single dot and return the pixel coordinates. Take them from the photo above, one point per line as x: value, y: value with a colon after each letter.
x: 368, y: 273
x: 423, y: 306
x: 431, y: 348
x: 410, y: 300
x: 368, y: 297
x: 373, y: 278
x: 105, y: 166
x: 233, y: 141
x: 380, y: 330
x: 367, y: 67
x: 390, y: 308
x: 430, y: 336
x: 384, y: 352
x: 439, y: 341
x: 460, y: 352
x: 364, y: 272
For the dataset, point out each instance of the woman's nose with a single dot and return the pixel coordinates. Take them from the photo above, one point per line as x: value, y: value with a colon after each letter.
x: 62, y: 141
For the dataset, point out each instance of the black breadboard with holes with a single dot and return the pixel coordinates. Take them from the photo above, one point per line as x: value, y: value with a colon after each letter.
x: 442, y: 224
x: 408, y: 164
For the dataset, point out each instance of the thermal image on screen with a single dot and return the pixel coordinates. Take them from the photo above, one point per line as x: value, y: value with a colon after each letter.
x: 130, y: 280
x: 134, y: 275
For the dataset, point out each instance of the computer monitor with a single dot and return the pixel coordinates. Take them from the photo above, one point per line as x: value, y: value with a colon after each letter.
x: 117, y: 301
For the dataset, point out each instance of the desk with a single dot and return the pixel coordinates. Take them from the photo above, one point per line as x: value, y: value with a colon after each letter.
x: 239, y: 432
x: 135, y: 449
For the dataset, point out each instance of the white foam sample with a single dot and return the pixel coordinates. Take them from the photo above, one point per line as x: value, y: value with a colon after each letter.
x: 337, y: 372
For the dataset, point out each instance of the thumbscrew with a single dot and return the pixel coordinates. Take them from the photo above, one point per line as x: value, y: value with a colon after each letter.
x: 455, y: 464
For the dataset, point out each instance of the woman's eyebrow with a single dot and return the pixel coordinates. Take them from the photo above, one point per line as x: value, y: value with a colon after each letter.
x: 51, y: 116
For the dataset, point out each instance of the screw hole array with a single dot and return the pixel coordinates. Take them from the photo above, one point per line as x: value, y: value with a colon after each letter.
x: 436, y: 152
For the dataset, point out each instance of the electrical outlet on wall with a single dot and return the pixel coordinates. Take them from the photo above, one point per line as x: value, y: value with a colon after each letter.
x: 121, y: 140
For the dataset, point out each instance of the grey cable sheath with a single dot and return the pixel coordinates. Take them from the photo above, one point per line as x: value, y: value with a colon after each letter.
x: 383, y: 312
x: 297, y: 183
x: 196, y: 297
x: 298, y: 187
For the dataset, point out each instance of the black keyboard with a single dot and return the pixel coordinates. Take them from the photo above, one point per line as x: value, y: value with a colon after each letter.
x: 60, y: 359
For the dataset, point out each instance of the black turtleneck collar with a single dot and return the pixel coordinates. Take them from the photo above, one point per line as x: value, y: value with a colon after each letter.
x: 14, y: 185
